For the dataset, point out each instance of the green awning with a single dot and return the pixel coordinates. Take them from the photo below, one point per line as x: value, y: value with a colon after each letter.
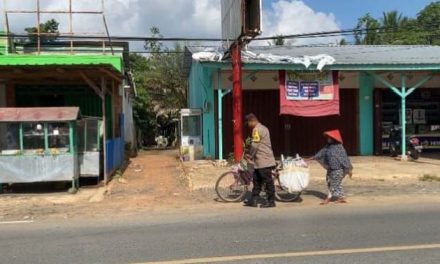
x: 62, y: 60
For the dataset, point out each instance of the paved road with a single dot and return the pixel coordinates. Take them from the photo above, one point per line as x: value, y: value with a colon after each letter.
x: 335, y: 234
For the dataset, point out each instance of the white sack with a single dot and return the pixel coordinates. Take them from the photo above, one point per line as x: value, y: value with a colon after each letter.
x: 294, y: 178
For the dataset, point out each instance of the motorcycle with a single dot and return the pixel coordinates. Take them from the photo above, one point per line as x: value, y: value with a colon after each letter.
x: 413, y: 146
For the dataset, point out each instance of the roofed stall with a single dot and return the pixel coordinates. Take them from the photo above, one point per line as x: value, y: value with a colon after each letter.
x: 94, y: 83
x: 40, y: 145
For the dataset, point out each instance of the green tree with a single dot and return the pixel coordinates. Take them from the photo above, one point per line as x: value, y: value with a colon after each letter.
x: 391, y: 23
x: 162, y: 87
x: 50, y: 26
x: 395, y: 29
x: 392, y: 29
x: 142, y: 108
x: 429, y: 22
x: 367, y: 31
x: 154, y: 46
x: 409, y: 33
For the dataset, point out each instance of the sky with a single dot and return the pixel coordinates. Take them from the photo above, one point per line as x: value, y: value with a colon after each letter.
x: 201, y: 18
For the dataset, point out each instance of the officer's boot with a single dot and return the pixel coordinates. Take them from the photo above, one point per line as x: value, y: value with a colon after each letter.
x: 268, y: 204
x: 251, y: 202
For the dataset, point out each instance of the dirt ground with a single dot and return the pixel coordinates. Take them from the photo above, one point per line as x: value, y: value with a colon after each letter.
x: 153, y: 180
x: 157, y: 182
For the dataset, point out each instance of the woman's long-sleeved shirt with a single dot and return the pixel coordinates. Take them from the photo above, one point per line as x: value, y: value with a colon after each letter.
x: 334, y: 157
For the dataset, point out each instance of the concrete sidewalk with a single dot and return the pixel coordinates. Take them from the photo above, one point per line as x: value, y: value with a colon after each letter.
x: 202, y: 175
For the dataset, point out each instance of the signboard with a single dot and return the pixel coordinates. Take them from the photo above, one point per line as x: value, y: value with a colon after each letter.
x: 419, y: 116
x: 309, y: 85
x: 309, y: 94
x: 231, y: 14
x: 241, y: 19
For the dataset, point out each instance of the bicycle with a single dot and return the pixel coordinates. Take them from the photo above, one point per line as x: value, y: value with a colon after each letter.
x: 233, y: 185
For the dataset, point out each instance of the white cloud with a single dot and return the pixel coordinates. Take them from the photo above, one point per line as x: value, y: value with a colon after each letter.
x: 181, y: 18
x: 295, y: 17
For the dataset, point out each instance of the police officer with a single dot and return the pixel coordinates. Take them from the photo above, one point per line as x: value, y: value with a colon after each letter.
x: 261, y: 155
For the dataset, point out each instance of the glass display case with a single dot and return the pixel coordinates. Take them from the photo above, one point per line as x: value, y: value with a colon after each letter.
x: 89, y: 146
x: 191, y: 134
x: 40, y: 145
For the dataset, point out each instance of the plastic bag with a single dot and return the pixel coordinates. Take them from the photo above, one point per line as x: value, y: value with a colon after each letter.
x: 295, y: 175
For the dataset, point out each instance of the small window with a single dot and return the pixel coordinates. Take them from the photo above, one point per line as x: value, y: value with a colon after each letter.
x: 80, y: 130
x: 58, y: 137
x: 10, y: 143
x: 92, y: 135
x: 191, y: 126
x: 33, y: 138
x: 88, y: 130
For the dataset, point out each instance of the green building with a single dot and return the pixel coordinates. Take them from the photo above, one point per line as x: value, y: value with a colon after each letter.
x: 376, y: 83
x: 92, y: 76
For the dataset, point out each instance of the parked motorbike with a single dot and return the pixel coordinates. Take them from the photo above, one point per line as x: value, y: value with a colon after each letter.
x: 413, y: 146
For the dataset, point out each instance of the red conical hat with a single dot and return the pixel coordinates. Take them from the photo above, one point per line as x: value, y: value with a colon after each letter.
x: 334, y: 134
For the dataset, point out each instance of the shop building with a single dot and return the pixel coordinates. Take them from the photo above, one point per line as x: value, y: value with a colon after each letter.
x: 93, y: 78
x: 375, y: 83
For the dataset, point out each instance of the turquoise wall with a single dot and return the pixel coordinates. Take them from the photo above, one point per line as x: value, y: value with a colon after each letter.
x: 366, y: 113
x: 201, y: 95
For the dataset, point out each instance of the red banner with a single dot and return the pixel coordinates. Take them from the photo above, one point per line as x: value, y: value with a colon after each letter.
x: 301, y: 96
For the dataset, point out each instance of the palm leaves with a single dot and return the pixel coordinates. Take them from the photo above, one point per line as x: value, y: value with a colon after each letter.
x: 393, y: 28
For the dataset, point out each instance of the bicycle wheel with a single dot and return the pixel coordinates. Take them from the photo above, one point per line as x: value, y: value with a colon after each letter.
x: 229, y: 188
x: 282, y: 195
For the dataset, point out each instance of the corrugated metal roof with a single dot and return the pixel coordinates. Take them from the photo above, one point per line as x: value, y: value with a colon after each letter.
x: 349, y: 54
x: 62, y: 60
x: 38, y: 114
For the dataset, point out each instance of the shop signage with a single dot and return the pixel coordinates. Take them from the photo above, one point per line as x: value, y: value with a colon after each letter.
x: 309, y: 85
x: 419, y: 116
x: 309, y: 94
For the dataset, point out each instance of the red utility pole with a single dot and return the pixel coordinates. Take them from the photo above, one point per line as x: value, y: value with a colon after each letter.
x: 237, y: 101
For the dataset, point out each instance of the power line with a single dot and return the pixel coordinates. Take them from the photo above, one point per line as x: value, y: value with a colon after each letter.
x: 346, y: 32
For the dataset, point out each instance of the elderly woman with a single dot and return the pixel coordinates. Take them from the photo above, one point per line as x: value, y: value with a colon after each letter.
x: 333, y: 157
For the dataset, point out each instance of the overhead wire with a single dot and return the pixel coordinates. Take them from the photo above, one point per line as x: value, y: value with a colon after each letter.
x: 380, y: 31
x: 183, y: 39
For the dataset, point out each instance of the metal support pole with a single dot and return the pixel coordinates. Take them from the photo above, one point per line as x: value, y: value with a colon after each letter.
x: 74, y: 152
x: 46, y: 138
x: 104, y: 130
x: 237, y: 102
x: 220, y: 117
x: 38, y: 27
x: 71, y: 26
x: 403, y: 115
x: 71, y: 139
x: 6, y: 21
x: 106, y: 29
x: 21, y: 138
